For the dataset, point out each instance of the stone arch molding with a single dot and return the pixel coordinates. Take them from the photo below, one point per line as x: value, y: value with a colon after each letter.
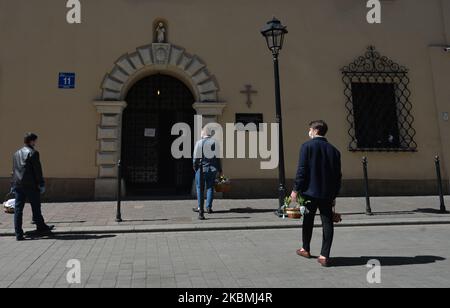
x: 127, y: 70
x: 165, y: 58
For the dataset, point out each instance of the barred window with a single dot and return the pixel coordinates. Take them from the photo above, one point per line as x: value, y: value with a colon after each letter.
x: 378, y: 103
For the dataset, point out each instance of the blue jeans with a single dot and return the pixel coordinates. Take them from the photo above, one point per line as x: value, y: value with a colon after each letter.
x: 34, y: 197
x: 208, y: 182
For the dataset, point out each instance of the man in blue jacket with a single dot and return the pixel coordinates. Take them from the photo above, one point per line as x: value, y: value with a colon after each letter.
x: 318, y: 179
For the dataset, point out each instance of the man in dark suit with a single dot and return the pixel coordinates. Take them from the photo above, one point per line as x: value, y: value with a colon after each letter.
x: 318, y: 179
x: 28, y: 184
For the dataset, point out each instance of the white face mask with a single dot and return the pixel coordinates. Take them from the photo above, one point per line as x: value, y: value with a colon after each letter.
x: 311, y: 134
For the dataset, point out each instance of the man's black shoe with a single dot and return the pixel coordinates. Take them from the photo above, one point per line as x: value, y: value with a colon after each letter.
x: 201, y: 217
x: 20, y: 238
x: 195, y: 210
x: 45, y: 229
x: 210, y: 211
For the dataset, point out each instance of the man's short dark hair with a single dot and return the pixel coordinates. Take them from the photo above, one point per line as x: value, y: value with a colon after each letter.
x: 321, y: 126
x: 29, y: 137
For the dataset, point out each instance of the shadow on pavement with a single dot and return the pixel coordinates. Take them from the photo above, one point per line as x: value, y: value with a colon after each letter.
x: 67, y: 222
x: 144, y: 220
x: 68, y: 237
x: 429, y: 211
x: 385, y: 261
x: 382, y: 213
x: 412, y: 212
x: 225, y: 218
x: 247, y: 210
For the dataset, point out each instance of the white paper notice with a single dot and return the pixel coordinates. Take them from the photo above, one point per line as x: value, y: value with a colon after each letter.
x: 150, y: 132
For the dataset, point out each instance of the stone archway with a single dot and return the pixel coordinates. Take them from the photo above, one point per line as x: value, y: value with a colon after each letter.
x: 128, y: 69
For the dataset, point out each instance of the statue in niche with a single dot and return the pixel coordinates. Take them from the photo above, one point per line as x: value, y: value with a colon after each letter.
x: 161, y: 33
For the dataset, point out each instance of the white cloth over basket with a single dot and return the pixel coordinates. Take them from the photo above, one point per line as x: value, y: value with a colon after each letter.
x: 9, y: 206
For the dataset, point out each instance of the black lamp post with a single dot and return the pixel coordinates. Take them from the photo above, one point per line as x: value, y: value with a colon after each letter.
x: 274, y: 33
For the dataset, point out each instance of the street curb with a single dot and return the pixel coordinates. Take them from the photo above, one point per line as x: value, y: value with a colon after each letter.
x: 224, y: 227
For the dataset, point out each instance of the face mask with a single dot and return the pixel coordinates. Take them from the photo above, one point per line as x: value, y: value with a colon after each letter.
x: 311, y: 135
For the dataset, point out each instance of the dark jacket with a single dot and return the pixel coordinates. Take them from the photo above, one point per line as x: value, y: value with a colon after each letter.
x: 319, y: 172
x: 209, y: 161
x: 27, y: 169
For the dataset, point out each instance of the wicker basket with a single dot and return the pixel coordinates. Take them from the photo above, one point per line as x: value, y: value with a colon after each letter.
x: 223, y: 187
x: 294, y: 213
x: 337, y: 218
x: 8, y: 210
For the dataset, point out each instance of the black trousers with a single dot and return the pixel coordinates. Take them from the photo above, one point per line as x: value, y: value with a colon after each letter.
x: 326, y: 214
x: 34, y: 197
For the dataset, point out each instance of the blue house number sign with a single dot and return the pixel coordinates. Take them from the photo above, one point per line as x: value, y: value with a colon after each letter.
x: 66, y: 81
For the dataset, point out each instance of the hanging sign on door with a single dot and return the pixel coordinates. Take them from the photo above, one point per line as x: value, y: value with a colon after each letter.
x: 150, y: 132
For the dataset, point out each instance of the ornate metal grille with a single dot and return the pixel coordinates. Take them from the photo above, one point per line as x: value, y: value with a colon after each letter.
x: 378, y: 103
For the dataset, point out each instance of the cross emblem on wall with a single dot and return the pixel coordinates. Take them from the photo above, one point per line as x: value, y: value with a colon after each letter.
x: 249, y: 92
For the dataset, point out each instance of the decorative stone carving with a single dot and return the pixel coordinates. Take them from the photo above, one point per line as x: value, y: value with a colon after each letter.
x: 201, y: 76
x: 208, y: 87
x: 146, y: 54
x: 107, y: 133
x: 109, y: 146
x: 125, y: 64
x: 209, y: 109
x: 108, y: 172
x: 195, y: 66
x: 175, y: 55
x: 161, y: 33
x: 113, y: 85
x: 108, y: 136
x: 119, y: 75
x: 106, y: 159
x: 136, y: 60
x: 110, y: 120
x: 160, y: 56
x: 161, y: 53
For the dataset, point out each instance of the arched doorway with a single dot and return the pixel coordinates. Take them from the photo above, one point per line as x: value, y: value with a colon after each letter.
x: 116, y: 85
x: 154, y: 105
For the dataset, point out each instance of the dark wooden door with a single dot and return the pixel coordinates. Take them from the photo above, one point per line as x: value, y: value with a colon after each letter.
x: 155, y: 104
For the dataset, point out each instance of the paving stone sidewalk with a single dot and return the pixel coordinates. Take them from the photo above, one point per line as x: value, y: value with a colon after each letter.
x: 411, y: 256
x: 229, y: 214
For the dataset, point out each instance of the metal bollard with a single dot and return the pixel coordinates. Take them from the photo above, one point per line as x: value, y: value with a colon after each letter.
x: 119, y: 192
x: 437, y: 161
x: 366, y: 186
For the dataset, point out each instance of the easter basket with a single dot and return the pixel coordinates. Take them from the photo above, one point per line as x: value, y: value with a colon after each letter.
x: 9, y: 204
x: 223, y: 185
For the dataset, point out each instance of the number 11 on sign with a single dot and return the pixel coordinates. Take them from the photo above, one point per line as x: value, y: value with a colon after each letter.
x: 66, y: 81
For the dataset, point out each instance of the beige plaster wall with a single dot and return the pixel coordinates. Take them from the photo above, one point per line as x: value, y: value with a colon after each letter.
x: 325, y: 35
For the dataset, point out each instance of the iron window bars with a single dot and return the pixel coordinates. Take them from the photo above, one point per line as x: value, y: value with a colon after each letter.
x: 378, y: 104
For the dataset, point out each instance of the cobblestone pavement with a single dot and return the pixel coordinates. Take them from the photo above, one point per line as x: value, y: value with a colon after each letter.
x: 410, y: 257
x: 158, y: 213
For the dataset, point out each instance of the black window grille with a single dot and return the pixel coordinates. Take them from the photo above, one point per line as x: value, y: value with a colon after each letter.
x: 378, y: 103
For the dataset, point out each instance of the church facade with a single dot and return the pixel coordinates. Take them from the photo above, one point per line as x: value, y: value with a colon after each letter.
x: 111, y: 88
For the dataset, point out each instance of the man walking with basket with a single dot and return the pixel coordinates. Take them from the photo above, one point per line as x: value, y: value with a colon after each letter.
x: 207, y: 167
x: 318, y: 180
x: 28, y: 185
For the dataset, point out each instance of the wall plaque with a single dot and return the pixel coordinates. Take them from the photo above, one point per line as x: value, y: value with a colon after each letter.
x: 250, y: 118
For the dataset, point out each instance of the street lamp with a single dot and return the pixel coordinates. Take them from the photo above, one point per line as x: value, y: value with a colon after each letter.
x: 274, y: 33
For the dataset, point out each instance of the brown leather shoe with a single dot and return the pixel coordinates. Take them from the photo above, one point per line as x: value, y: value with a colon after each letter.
x: 324, y: 262
x: 304, y: 254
